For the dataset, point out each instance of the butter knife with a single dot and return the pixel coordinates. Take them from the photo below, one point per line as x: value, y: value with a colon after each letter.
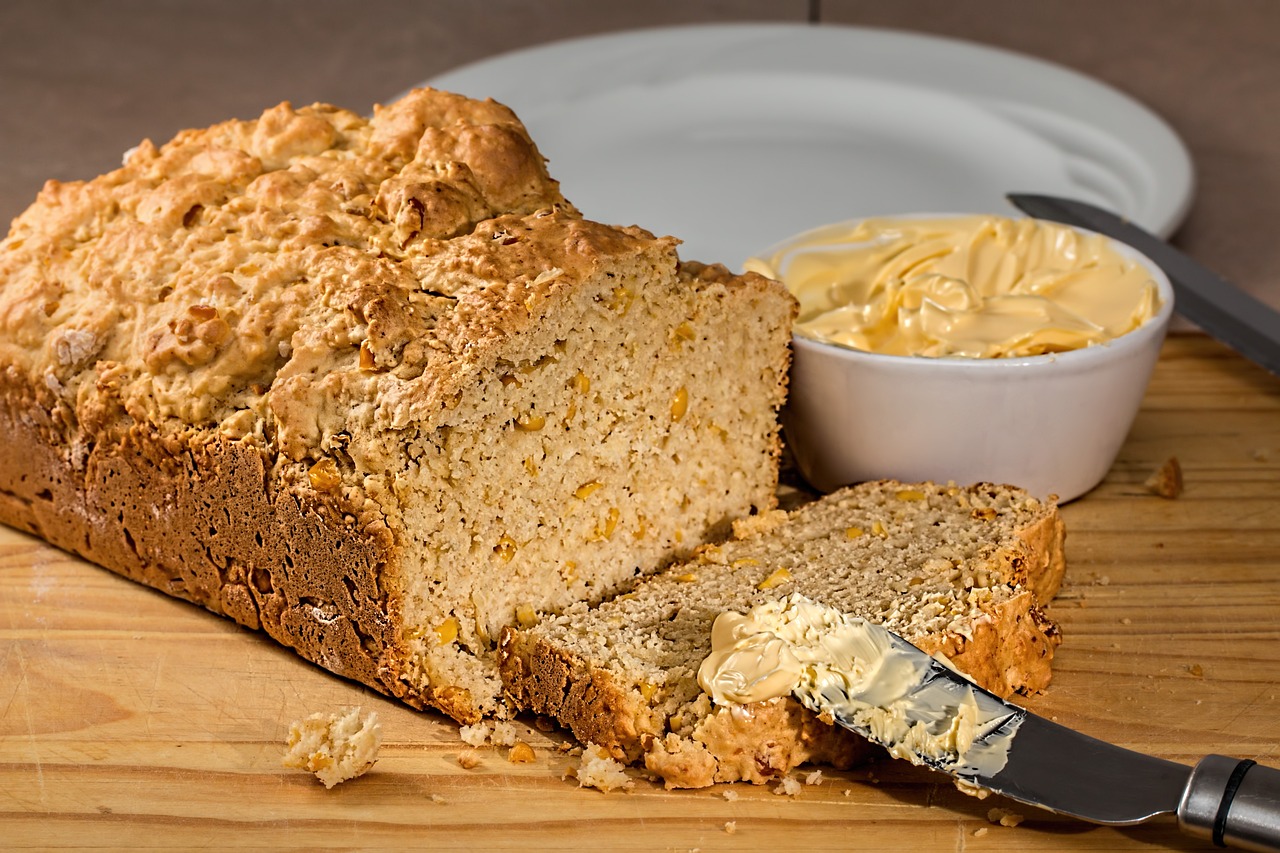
x: 1235, y: 318
x: 1227, y: 801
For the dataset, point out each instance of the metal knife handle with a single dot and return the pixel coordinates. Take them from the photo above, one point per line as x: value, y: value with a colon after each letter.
x: 1232, y: 803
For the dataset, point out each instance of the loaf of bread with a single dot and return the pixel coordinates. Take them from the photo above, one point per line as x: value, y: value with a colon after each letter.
x: 957, y: 571
x: 372, y: 386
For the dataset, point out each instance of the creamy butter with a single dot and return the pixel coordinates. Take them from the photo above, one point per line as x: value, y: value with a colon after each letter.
x: 974, y: 286
x: 864, y: 676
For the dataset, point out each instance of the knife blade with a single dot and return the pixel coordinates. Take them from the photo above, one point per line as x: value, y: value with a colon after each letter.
x: 1237, y: 319
x: 1038, y: 762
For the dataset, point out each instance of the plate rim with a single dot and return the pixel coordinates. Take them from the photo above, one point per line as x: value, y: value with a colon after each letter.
x: 1160, y: 149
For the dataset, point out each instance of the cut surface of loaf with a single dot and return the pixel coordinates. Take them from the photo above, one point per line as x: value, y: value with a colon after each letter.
x: 957, y: 571
x: 373, y: 386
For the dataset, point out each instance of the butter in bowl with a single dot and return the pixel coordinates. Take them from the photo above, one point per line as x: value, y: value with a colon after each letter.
x: 967, y: 348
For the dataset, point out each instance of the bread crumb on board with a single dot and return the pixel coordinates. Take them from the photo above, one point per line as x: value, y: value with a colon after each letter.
x: 1166, y: 481
x: 1004, y: 817
x: 477, y: 735
x: 787, y: 786
x: 598, y: 769
x: 335, y: 747
x: 730, y: 827
x: 468, y: 759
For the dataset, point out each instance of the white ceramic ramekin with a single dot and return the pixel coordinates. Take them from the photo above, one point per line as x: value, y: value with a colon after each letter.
x: 1051, y: 424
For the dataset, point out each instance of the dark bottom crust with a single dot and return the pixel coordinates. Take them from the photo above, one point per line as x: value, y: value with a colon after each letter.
x: 200, y: 517
x: 545, y: 679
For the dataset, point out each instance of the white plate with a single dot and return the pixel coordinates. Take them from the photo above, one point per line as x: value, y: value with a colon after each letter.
x: 735, y: 137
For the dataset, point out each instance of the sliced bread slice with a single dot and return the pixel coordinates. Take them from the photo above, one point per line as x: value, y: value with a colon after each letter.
x: 957, y: 571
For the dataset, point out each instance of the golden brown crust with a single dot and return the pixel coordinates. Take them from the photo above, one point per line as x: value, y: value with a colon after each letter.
x: 203, y: 518
x: 1008, y: 651
x: 1046, y: 556
x: 550, y: 680
x: 215, y: 277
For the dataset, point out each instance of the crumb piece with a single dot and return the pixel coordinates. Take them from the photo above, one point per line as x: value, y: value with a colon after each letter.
x: 521, y: 753
x: 437, y: 798
x: 504, y: 734
x: 827, y: 718
x: 1004, y: 817
x: 544, y: 724
x: 468, y: 759
x: 1196, y: 670
x: 730, y: 795
x: 730, y: 827
x: 497, y: 733
x: 979, y: 832
x: 758, y: 525
x: 335, y: 747
x: 848, y: 792
x: 1105, y: 580
x: 1166, y: 481
x: 788, y: 786
x: 475, y: 735
x: 1126, y: 621
x: 599, y: 770
x: 972, y: 790
x: 814, y: 778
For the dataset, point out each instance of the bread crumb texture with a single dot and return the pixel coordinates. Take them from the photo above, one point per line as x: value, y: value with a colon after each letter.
x: 598, y: 769
x: 1166, y: 481
x: 1004, y: 817
x: 959, y: 571
x: 335, y: 747
x: 374, y: 386
x: 788, y: 786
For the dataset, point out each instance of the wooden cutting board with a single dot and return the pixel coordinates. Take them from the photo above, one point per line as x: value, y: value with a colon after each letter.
x: 129, y: 720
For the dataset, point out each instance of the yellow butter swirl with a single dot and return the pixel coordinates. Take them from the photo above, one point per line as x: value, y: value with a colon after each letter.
x: 970, y: 286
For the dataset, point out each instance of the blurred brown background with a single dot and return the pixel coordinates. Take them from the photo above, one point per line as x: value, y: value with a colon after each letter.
x: 82, y: 81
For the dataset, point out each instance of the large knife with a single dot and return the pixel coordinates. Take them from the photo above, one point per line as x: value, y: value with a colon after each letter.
x: 1029, y: 759
x: 1240, y: 321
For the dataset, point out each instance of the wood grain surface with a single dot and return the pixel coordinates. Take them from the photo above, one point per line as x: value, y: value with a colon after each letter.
x: 132, y: 721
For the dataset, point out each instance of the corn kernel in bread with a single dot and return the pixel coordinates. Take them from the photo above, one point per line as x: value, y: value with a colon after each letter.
x: 957, y: 571
x: 343, y: 379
